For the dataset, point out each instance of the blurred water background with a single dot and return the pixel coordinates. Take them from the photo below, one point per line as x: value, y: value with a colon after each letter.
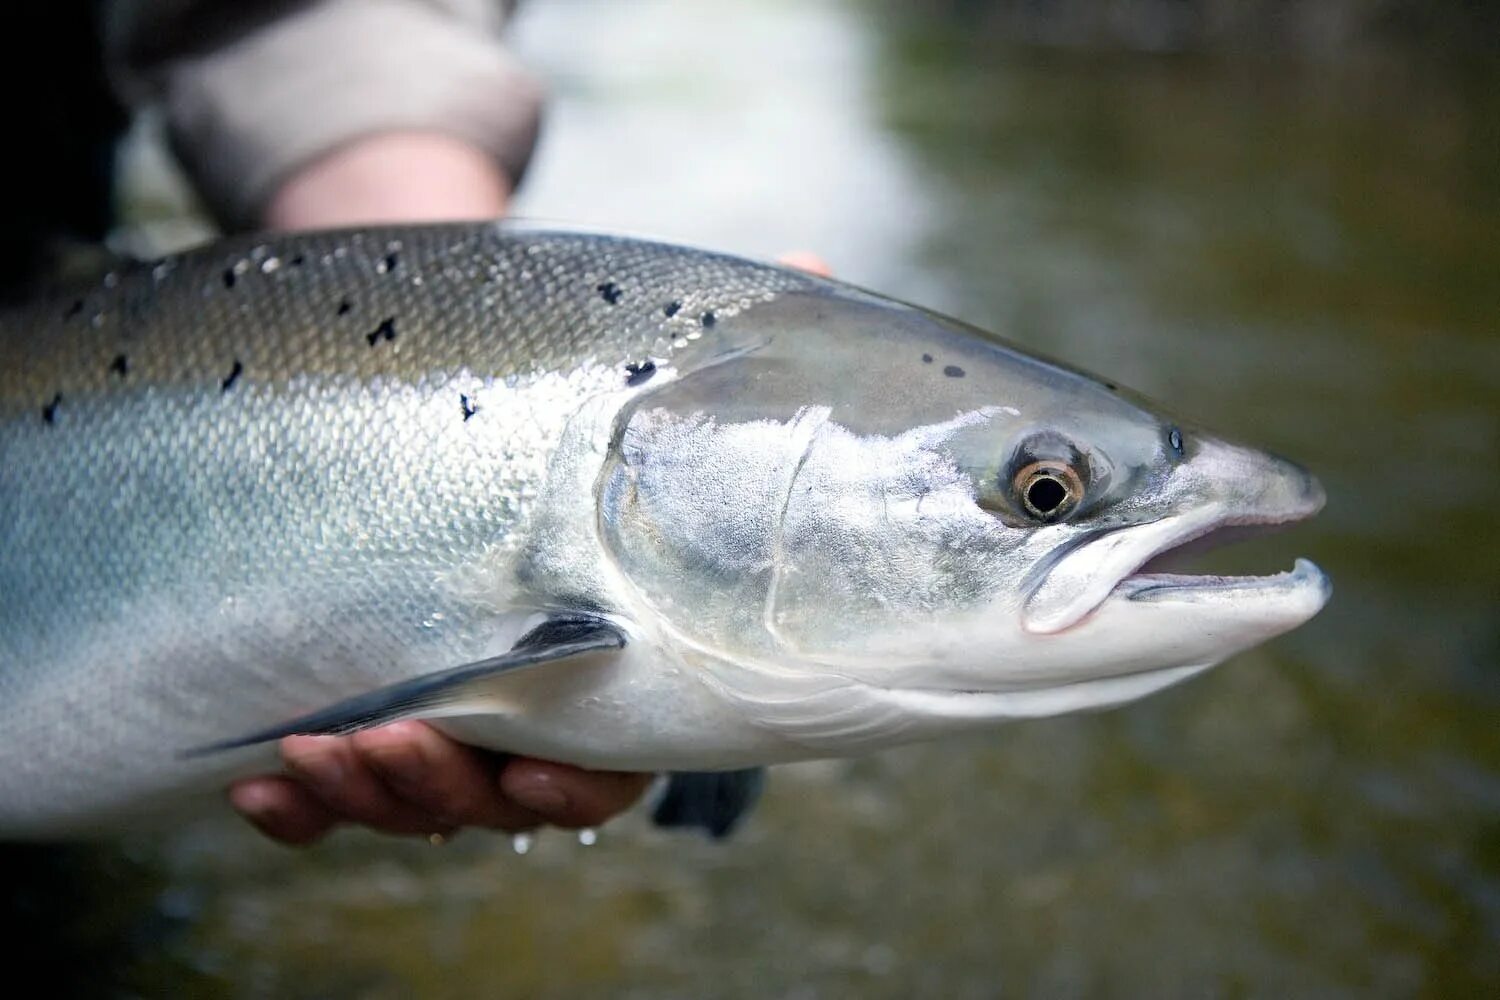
x: 1279, y: 217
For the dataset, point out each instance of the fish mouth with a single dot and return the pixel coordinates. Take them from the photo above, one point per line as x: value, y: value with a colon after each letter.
x: 1304, y: 575
x: 1165, y: 571
x: 1133, y: 563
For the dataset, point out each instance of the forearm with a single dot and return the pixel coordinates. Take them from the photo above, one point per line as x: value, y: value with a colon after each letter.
x: 376, y: 109
x: 409, y: 176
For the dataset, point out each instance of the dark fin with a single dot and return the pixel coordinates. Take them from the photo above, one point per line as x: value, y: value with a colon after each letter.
x: 712, y: 801
x: 556, y: 638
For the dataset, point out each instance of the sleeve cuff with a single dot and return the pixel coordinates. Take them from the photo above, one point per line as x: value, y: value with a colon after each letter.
x: 245, y: 115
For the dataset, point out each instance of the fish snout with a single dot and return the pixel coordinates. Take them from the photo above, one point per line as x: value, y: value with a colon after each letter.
x: 1252, y: 486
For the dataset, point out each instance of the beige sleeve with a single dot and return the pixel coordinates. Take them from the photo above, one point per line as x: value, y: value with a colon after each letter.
x: 252, y: 89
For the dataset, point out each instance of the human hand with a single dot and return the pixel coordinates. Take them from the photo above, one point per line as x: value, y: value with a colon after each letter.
x: 406, y: 778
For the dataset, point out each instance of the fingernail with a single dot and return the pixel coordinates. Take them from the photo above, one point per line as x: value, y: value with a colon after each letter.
x: 542, y: 799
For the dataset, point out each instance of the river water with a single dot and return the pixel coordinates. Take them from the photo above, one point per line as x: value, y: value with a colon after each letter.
x: 1298, y: 253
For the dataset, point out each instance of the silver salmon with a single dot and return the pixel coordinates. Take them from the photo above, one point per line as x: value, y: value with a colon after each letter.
x: 599, y: 500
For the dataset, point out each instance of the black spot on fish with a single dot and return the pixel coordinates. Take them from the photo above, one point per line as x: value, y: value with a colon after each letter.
x: 385, y: 331
x: 297, y: 261
x: 1111, y: 387
x: 74, y: 309
x: 469, y: 406
x: 927, y: 359
x: 671, y: 308
x: 229, y: 277
x: 953, y: 371
x: 387, y: 263
x: 610, y: 292
x: 708, y: 319
x: 635, y: 374
x: 344, y: 307
x: 120, y: 365
x: 232, y: 377
x: 49, y: 412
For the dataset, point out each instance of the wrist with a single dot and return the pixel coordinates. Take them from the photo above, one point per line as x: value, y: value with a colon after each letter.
x: 408, y: 176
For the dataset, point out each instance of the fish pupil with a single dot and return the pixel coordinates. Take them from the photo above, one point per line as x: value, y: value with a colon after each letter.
x: 1046, y: 494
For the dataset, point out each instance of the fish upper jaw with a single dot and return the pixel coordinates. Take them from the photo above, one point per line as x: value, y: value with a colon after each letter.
x: 1231, y: 488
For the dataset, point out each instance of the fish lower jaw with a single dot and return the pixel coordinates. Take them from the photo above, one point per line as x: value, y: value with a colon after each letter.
x: 1277, y: 601
x: 1303, y: 580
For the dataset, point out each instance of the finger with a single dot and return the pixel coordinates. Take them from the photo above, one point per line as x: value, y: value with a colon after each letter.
x: 328, y: 767
x: 454, y: 784
x: 570, y: 796
x: 805, y: 260
x: 282, y: 809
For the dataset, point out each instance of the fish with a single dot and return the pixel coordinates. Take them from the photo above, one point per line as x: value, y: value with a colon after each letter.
x: 596, y: 499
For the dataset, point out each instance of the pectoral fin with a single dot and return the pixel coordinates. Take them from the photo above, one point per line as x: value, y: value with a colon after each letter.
x: 713, y: 801
x: 557, y: 638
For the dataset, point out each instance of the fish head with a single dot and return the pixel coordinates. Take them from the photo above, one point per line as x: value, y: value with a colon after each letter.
x: 915, y: 512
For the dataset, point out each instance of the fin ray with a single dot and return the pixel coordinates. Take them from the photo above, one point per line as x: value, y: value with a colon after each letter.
x: 557, y: 638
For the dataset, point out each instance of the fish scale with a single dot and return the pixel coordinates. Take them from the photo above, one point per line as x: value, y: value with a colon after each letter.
x: 163, y: 524
x: 501, y: 292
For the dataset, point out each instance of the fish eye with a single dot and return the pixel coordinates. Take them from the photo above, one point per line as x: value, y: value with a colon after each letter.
x: 1046, y: 479
x: 1048, y: 490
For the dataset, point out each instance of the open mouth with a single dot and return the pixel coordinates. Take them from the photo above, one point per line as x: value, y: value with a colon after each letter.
x: 1167, y: 572
x: 1146, y: 562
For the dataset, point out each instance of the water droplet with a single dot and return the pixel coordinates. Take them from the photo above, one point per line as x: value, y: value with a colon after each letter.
x: 520, y: 843
x: 270, y: 264
x: 588, y: 836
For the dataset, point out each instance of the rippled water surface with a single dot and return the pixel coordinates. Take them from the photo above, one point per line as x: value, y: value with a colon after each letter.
x: 1302, y: 255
